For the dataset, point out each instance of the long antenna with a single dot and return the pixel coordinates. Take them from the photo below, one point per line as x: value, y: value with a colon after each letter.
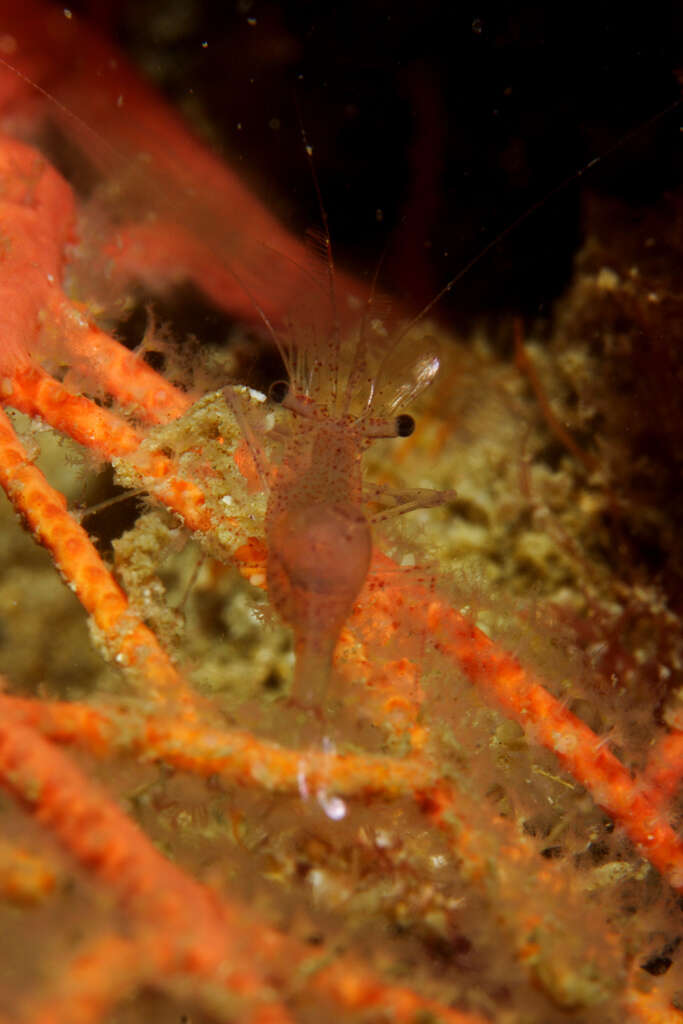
x: 531, y: 210
x: 336, y: 323
x: 65, y: 111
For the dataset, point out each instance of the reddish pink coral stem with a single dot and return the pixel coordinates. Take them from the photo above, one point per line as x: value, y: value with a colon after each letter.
x: 208, y: 226
x: 36, y: 320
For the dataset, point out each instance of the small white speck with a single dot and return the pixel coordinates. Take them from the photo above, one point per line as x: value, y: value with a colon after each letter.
x: 316, y: 879
x: 333, y: 806
x: 309, y: 150
x: 51, y: 278
x: 227, y: 499
x: 68, y: 14
x: 258, y: 579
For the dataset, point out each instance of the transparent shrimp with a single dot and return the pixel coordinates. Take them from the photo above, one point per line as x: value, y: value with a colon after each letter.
x: 318, y: 534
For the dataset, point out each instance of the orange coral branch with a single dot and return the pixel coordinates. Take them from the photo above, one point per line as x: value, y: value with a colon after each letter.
x: 235, y: 754
x: 360, y: 991
x: 385, y: 604
x: 517, y: 877
x: 99, y: 977
x: 24, y: 877
x: 36, y: 393
x: 112, y: 969
x: 664, y: 769
x: 651, y: 1007
x: 114, y: 370
x: 189, y: 930
x: 548, y: 722
x: 128, y: 641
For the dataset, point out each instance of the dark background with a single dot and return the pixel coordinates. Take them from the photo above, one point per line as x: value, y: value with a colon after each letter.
x: 452, y: 120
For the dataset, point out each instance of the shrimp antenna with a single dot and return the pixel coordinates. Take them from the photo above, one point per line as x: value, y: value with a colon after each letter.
x: 359, y: 352
x: 263, y: 316
x: 531, y: 210
x: 70, y: 115
x: 336, y: 323
x: 315, y: 281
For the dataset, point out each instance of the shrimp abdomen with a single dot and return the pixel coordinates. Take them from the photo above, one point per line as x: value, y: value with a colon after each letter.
x: 318, y: 558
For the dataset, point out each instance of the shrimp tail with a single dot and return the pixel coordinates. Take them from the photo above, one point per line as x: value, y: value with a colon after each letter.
x: 312, y: 672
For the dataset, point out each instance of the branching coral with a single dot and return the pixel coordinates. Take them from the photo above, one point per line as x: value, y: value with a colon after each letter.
x: 481, y: 842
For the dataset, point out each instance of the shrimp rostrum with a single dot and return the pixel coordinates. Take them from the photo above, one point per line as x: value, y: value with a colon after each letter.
x: 342, y: 393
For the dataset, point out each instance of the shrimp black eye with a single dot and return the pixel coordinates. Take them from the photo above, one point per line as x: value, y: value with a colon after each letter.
x: 278, y: 391
x: 405, y: 425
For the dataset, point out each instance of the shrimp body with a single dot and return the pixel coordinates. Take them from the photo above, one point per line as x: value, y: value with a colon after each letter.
x: 342, y: 392
x: 319, y: 545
